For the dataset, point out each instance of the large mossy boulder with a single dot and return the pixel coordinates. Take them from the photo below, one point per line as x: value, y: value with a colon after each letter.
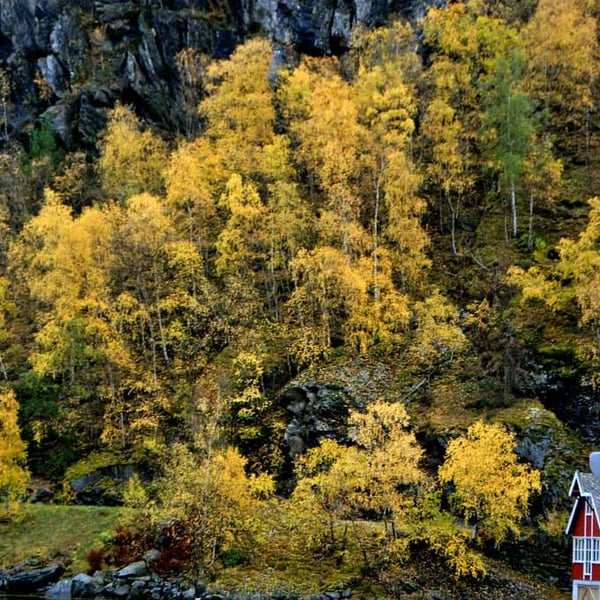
x: 100, y: 478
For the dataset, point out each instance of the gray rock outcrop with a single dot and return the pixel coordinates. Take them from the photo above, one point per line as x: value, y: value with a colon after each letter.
x: 317, y: 411
x: 30, y: 580
x: 73, y: 59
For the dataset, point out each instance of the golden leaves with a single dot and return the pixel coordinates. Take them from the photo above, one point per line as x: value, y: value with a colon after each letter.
x: 13, y: 474
x: 131, y: 160
x: 491, y: 487
x: 562, y: 57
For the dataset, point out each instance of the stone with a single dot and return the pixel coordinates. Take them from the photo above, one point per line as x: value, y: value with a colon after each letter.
x: 200, y: 588
x: 60, y: 117
x: 61, y: 590
x: 85, y: 586
x: 138, y: 589
x: 410, y: 587
x: 152, y: 556
x: 86, y: 481
x: 156, y: 594
x: 136, y: 569
x: 189, y: 594
x: 99, y: 577
x: 41, y: 494
x: 117, y: 589
x: 317, y: 411
x: 33, y: 580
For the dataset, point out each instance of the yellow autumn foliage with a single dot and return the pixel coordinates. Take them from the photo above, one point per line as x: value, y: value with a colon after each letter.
x: 131, y: 159
x: 13, y: 473
x: 491, y: 488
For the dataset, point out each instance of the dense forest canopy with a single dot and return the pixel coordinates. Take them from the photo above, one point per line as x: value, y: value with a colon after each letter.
x: 425, y: 201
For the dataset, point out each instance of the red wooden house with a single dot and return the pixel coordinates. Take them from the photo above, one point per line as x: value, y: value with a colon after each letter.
x: 584, y: 527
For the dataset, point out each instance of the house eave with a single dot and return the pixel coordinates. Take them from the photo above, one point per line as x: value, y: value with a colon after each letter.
x: 573, y: 482
x: 588, y: 498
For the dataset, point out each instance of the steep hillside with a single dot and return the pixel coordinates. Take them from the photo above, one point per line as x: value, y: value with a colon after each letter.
x: 316, y: 262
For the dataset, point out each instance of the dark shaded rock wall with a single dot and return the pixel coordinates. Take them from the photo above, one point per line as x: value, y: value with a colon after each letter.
x: 73, y: 59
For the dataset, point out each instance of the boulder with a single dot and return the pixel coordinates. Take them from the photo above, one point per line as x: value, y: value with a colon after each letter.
x: 152, y: 556
x: 34, y: 580
x: 138, y: 589
x: 319, y: 401
x: 133, y: 570
x: 189, y: 594
x: 103, y: 486
x: 317, y: 411
x: 85, y: 586
x: 61, y: 590
x: 117, y: 589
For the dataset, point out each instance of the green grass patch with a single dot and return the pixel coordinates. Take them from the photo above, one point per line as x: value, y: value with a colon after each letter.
x: 51, y: 531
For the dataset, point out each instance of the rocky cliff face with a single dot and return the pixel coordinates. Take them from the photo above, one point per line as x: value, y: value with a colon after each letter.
x: 73, y: 59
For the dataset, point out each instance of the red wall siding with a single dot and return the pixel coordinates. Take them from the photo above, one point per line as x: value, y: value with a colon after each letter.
x: 577, y: 572
x: 580, y: 527
x: 585, y: 526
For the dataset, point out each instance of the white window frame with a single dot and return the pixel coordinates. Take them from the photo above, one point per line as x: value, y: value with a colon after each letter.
x: 586, y: 550
x: 595, y: 550
x: 578, y: 549
x: 588, y: 508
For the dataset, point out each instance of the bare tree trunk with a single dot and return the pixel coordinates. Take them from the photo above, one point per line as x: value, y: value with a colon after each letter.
x: 530, y: 227
x: 376, y: 241
x: 453, y: 212
x: 274, y: 282
x: 161, y: 330
x: 513, y: 208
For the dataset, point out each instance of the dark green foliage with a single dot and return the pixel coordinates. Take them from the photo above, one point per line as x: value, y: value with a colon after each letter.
x: 233, y: 558
x: 51, y: 447
x: 43, y: 144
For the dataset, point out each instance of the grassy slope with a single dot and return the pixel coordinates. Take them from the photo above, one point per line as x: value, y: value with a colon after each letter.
x: 51, y: 531
x: 67, y: 533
